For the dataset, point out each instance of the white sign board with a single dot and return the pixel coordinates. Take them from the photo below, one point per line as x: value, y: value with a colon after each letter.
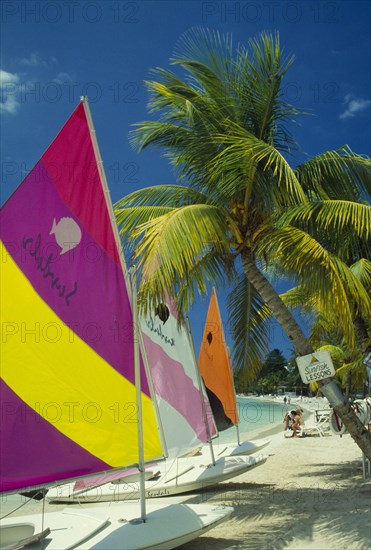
x: 315, y: 366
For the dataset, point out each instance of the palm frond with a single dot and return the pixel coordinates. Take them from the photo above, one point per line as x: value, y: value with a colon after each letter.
x: 250, y: 330
x: 357, y: 368
x: 265, y: 72
x: 211, y: 269
x: 307, y: 260
x: 157, y: 134
x: 175, y: 240
x: 338, y: 219
x: 210, y: 48
x: 162, y: 195
x: 362, y: 271
x: 357, y: 293
x: 338, y: 174
x: 241, y: 151
x: 299, y: 298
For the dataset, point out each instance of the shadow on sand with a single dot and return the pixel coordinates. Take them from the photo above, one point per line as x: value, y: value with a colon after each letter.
x: 273, y: 515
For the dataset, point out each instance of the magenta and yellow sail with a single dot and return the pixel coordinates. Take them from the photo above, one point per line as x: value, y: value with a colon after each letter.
x: 215, y: 368
x: 67, y: 359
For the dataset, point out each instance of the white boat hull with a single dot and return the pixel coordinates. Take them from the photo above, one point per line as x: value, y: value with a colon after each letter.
x: 179, y: 476
x: 114, y: 527
x: 244, y: 449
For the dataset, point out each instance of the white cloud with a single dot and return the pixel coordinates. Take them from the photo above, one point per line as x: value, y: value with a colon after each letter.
x: 34, y: 60
x: 354, y: 106
x: 62, y: 78
x: 9, y: 88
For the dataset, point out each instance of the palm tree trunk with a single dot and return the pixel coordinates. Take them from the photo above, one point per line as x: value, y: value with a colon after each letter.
x: 348, y: 385
x: 278, y: 308
x: 303, y: 347
x: 361, y: 332
x: 354, y: 426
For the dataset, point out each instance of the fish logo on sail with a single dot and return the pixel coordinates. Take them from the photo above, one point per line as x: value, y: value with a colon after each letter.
x: 162, y: 311
x: 67, y: 234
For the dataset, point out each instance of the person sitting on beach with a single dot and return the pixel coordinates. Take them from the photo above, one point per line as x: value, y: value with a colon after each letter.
x: 294, y: 421
x: 289, y: 419
x: 298, y: 422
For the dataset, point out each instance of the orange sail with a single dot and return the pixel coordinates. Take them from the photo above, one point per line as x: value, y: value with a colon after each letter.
x: 215, y: 369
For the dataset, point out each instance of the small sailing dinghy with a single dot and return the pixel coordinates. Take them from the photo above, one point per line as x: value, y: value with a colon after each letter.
x: 174, y: 477
x: 215, y: 368
x: 186, y: 418
x: 76, y: 397
x: 116, y: 526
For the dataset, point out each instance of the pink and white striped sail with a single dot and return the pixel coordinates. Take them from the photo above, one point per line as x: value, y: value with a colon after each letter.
x: 183, y: 406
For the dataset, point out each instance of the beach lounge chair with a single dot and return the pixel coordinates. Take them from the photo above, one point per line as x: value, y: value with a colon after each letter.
x: 313, y: 426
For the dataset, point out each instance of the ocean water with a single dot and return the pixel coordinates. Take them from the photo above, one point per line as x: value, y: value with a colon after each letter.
x: 258, y: 418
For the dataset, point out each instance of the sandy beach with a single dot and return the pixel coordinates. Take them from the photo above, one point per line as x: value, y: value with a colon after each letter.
x: 310, y: 494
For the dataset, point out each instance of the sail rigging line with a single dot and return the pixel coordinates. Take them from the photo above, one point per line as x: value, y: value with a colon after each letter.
x: 43, y: 517
x: 200, y: 384
x: 237, y: 425
x: 136, y: 330
x: 131, y: 284
x: 181, y: 473
x: 104, y: 182
x: 238, y: 435
x: 107, y: 196
x: 16, y: 509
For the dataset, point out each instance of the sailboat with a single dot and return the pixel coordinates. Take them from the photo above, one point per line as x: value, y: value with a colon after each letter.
x: 215, y: 368
x: 186, y: 418
x: 75, y: 395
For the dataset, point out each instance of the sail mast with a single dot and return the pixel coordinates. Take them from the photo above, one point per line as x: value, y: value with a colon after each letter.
x: 201, y: 393
x: 107, y: 195
x: 139, y: 398
x: 131, y: 284
x: 236, y: 410
x: 147, y: 369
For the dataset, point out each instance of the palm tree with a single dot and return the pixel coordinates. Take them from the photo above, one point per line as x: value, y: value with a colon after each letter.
x: 244, y: 211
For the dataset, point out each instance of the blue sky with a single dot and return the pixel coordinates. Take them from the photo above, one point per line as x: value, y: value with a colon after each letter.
x: 55, y: 51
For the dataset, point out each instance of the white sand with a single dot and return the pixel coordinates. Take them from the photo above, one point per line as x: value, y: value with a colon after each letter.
x: 310, y: 494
